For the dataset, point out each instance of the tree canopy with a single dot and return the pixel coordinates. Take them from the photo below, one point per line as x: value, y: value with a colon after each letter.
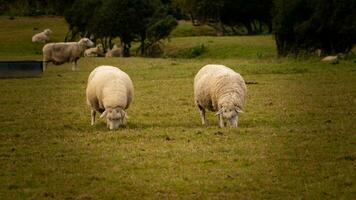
x: 302, y: 26
x: 145, y: 21
x: 233, y: 14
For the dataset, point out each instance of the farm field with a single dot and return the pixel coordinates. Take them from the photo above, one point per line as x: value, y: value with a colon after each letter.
x: 296, y: 139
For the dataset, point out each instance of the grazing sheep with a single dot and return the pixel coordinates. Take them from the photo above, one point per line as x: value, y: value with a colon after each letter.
x: 114, y: 52
x: 42, y: 37
x: 110, y: 92
x: 59, y: 53
x: 95, y: 51
x: 219, y: 88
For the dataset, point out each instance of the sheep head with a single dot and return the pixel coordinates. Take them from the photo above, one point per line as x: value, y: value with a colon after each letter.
x: 229, y: 113
x: 86, y: 42
x: 48, y: 31
x: 100, y: 48
x: 114, y: 117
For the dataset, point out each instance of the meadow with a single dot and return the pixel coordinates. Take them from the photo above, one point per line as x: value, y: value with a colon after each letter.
x: 296, y: 139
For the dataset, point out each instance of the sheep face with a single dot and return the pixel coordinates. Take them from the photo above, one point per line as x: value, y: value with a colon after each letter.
x: 114, y: 117
x: 100, y: 48
x: 86, y: 42
x: 229, y: 113
x: 48, y: 31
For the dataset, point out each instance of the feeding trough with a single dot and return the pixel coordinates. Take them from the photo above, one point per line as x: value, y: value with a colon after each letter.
x: 22, y: 68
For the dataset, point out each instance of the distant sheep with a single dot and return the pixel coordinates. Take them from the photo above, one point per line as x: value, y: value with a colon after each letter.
x: 333, y: 58
x: 114, y: 52
x: 59, y: 53
x: 42, y: 37
x: 109, y: 91
x: 329, y: 58
x: 95, y: 51
x: 222, y: 90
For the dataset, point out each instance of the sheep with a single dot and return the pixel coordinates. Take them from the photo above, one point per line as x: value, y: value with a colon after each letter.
x: 42, y: 37
x: 59, y: 53
x: 330, y: 58
x: 109, y: 91
x: 114, y: 52
x: 95, y: 51
x: 219, y: 88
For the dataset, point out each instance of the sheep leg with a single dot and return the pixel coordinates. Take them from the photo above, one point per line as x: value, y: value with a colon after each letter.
x: 221, y: 121
x: 202, y: 115
x: 74, y: 67
x: 44, y: 65
x: 93, y: 117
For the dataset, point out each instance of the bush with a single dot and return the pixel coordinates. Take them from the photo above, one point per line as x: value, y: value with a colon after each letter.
x: 192, y: 52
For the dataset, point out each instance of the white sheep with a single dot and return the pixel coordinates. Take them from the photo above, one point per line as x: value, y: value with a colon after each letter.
x: 42, y: 37
x: 62, y: 52
x: 329, y: 58
x: 219, y: 88
x: 114, y: 52
x: 110, y: 92
x: 95, y: 51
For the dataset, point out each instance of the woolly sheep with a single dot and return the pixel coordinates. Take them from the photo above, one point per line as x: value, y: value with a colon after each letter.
x: 219, y: 88
x: 59, y: 53
x: 329, y: 58
x: 42, y: 37
x: 95, y: 51
x: 110, y: 92
x: 333, y: 58
x: 114, y: 52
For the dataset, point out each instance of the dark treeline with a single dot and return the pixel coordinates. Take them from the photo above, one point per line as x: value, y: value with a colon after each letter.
x: 299, y: 26
x: 230, y: 16
x: 302, y: 26
x: 143, y: 21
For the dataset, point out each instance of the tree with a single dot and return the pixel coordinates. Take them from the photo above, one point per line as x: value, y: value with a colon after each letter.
x: 254, y: 15
x: 144, y: 21
x: 160, y: 26
x: 303, y: 26
x: 79, y: 17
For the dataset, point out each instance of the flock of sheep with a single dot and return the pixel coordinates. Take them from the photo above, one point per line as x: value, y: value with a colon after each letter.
x: 110, y: 91
x: 217, y: 88
x: 62, y: 52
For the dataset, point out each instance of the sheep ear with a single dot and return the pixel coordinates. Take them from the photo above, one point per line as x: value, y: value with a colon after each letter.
x: 104, y: 114
x: 238, y: 110
x: 219, y: 112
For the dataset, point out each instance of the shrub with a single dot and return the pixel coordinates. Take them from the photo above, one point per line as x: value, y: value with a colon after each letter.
x: 192, y: 52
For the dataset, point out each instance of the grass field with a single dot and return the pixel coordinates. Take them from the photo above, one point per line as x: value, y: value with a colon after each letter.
x: 296, y: 139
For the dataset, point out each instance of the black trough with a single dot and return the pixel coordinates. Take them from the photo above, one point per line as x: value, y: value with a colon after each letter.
x: 23, y: 68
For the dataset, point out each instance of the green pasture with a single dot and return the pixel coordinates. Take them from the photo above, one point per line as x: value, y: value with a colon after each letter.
x: 296, y: 139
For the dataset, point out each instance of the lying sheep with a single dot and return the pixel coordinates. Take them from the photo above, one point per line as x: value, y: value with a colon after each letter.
x: 329, y: 58
x: 110, y: 92
x: 42, y: 37
x: 332, y: 58
x: 59, y: 53
x: 95, y: 51
x: 114, y: 52
x: 219, y: 88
